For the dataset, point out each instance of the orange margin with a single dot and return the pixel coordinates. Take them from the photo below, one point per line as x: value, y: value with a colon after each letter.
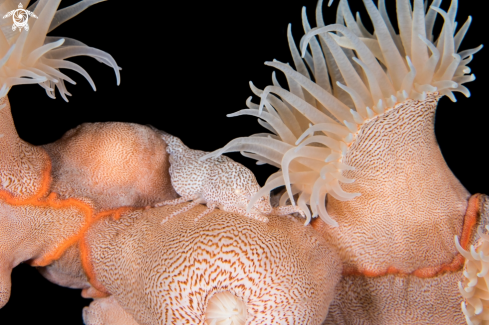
x: 45, y: 198
x: 471, y: 218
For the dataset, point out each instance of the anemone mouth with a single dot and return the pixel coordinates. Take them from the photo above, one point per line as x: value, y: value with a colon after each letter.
x: 343, y: 77
x: 31, y: 57
x: 224, y: 308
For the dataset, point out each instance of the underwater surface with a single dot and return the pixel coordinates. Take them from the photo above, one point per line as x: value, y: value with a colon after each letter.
x: 185, y: 65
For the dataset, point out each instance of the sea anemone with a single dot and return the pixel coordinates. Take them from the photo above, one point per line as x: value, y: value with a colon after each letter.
x: 353, y: 77
x: 226, y: 309
x: 474, y: 287
x: 30, y: 57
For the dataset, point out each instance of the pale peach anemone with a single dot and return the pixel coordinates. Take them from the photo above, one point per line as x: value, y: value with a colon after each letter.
x: 474, y: 287
x: 353, y: 76
x: 30, y: 57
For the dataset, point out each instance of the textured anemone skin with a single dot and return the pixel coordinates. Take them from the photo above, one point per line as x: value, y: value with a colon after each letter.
x: 22, y: 166
x: 410, y: 198
x: 107, y: 311
x: 117, y: 251
x: 396, y: 239
x: 38, y: 217
x: 407, y: 298
x: 284, y: 272
x: 363, y: 300
x: 122, y: 164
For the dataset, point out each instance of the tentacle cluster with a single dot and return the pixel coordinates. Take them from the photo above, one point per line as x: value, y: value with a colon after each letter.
x: 226, y: 309
x: 346, y: 76
x: 30, y: 57
x: 474, y: 288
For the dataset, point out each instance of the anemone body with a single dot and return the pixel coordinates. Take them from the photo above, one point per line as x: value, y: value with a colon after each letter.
x: 353, y: 136
x: 473, y: 286
x: 281, y: 272
x: 77, y: 209
x: 387, y: 173
x: 344, y: 77
x: 138, y: 271
x: 107, y: 311
x: 363, y: 140
x: 401, y: 264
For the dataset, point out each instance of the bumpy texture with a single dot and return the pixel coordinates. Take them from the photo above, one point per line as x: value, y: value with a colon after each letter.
x: 416, y: 298
x: 22, y: 166
x: 352, y: 76
x: 474, y: 286
x: 106, y: 311
x: 411, y: 203
x: 45, y: 228
x: 284, y: 272
x: 220, y: 182
x: 393, y: 299
x: 393, y: 245
x: 396, y: 239
x: 113, y: 164
x: 138, y: 271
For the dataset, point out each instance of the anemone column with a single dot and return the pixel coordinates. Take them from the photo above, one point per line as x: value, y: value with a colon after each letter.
x: 411, y: 205
x: 22, y: 170
x: 396, y: 240
x: 355, y: 129
x: 22, y: 165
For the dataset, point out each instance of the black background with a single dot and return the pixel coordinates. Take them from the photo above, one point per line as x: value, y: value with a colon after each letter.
x: 186, y: 65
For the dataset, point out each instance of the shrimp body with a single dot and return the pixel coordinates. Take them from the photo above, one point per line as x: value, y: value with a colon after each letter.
x: 219, y: 182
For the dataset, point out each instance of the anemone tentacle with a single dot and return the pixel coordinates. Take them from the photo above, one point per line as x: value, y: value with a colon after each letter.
x: 353, y: 77
x: 474, y: 286
x: 32, y: 57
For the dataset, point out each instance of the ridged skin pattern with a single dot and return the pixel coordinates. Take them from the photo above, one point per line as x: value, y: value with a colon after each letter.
x: 137, y: 270
x: 112, y: 165
x: 81, y: 207
x: 22, y: 169
x: 474, y: 287
x: 396, y: 236
x: 106, y: 311
x: 36, y: 227
x: 409, y: 197
x: 131, y: 158
x: 393, y: 299
x: 29, y: 232
x: 284, y: 272
x: 218, y: 182
x: 408, y: 298
x: 22, y: 165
